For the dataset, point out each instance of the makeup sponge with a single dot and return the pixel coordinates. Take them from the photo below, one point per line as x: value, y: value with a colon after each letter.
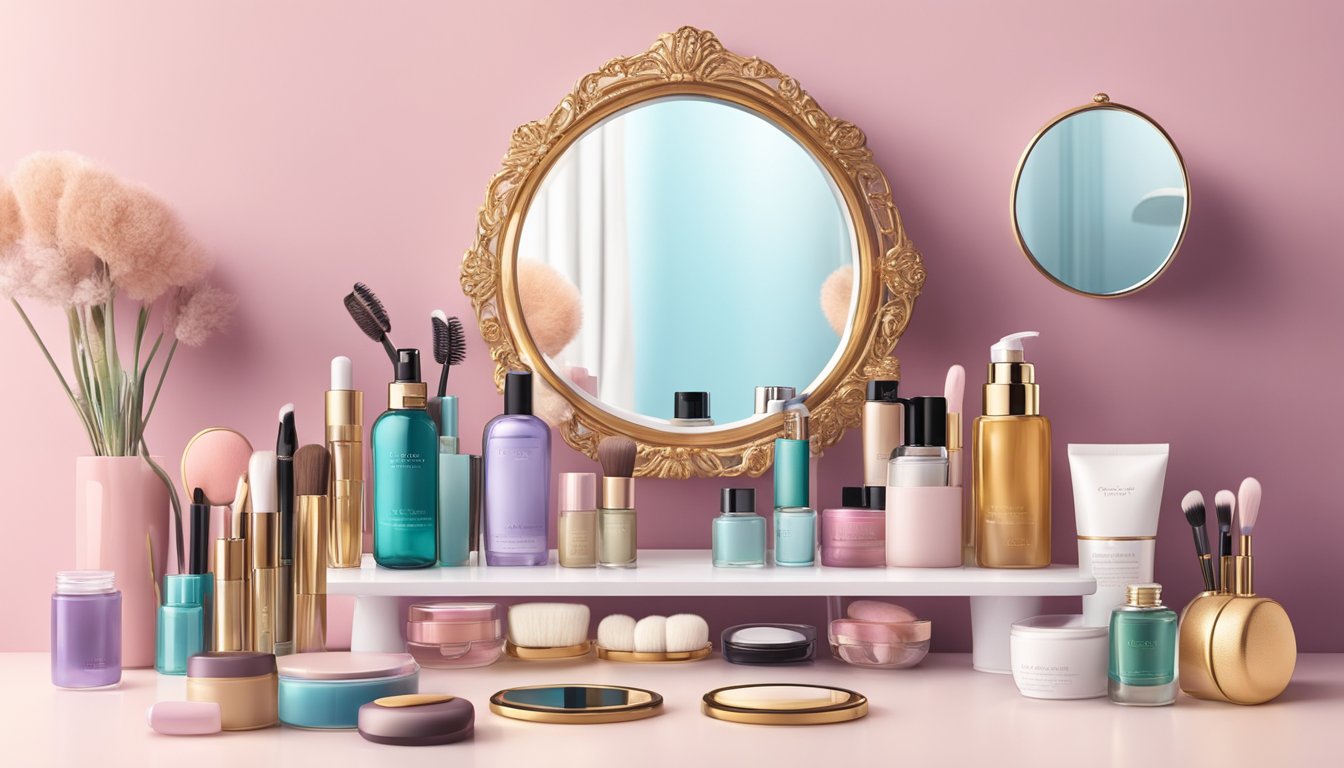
x: 550, y: 304
x: 617, y: 632
x: 651, y: 634
x: 212, y: 461
x: 686, y: 632
x: 836, y: 293
x: 876, y: 610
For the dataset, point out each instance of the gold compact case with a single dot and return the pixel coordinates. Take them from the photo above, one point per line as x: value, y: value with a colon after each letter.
x: 1235, y: 645
x: 557, y: 653
x: 655, y: 657
x: 784, y: 704
x: 576, y: 704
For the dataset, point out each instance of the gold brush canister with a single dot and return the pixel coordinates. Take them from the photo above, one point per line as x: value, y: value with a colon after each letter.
x: 230, y: 604
x: 345, y: 418
x: 310, y: 575
x: 1236, y: 646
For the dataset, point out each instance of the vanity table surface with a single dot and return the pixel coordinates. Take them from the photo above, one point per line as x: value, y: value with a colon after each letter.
x: 940, y: 713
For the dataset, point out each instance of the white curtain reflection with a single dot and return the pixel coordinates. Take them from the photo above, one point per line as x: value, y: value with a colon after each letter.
x: 579, y: 214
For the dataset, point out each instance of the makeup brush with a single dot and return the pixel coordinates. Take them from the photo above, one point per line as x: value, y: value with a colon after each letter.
x: 548, y: 630
x: 286, y: 442
x: 312, y: 477
x: 617, y: 632
x: 371, y: 317
x: 1224, y: 504
x: 617, y: 537
x: 1248, y: 499
x: 449, y: 344
x: 199, y: 561
x: 1193, y: 507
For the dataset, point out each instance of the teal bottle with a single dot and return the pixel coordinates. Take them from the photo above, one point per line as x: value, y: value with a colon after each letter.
x: 738, y: 533
x: 795, y: 520
x: 180, y: 630
x: 1143, y: 649
x: 405, y: 473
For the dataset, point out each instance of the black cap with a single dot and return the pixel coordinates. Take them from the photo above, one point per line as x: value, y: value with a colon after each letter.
x: 408, y: 366
x: 926, y: 421
x: 875, y: 497
x: 690, y: 405
x: 518, y: 393
x: 852, y: 496
x: 199, y: 560
x: 883, y: 390
x: 738, y: 500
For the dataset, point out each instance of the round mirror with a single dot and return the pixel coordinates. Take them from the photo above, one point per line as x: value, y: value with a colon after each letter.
x: 576, y: 703
x: 684, y: 238
x: 698, y: 236
x: 1101, y: 200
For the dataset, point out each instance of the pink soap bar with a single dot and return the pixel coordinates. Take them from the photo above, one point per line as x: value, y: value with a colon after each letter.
x: 876, y: 610
x: 184, y: 718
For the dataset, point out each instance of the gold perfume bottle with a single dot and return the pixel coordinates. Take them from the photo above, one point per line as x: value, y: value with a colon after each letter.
x: 1010, y: 464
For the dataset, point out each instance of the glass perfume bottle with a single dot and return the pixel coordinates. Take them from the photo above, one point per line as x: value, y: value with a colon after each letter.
x: 795, y: 520
x: 738, y: 533
x: 517, y: 449
x: 85, y: 630
x: 1143, y: 649
x: 405, y: 473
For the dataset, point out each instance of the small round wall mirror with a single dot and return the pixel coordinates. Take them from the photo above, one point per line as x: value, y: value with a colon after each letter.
x: 1101, y: 200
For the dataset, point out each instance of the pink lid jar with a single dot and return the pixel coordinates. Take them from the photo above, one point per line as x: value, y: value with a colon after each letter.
x: 454, y: 635
x: 853, y: 535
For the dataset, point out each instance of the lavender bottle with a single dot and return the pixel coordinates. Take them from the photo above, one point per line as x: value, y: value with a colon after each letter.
x: 517, y: 448
x: 85, y: 630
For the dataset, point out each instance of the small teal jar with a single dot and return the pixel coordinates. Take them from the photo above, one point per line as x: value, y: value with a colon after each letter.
x: 180, y: 631
x: 795, y: 536
x: 324, y: 691
x: 738, y: 533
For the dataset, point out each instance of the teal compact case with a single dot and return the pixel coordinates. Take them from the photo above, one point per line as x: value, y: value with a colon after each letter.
x: 325, y: 690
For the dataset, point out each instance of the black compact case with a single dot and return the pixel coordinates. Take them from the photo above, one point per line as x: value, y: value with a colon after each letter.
x: 740, y: 647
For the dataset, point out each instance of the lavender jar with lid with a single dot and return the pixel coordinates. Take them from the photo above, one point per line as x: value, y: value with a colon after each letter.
x: 85, y: 630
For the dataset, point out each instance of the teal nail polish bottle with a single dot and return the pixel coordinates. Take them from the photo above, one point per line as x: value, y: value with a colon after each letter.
x: 1143, y: 649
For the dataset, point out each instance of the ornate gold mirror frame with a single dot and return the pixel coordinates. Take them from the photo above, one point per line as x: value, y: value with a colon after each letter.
x: 889, y: 274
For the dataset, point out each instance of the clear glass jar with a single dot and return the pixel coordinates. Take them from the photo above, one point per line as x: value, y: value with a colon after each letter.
x: 795, y: 536
x: 85, y: 630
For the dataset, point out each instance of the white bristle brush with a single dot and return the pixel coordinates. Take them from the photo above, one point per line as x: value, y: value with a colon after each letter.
x: 617, y: 632
x: 686, y: 632
x: 1248, y: 501
x: 548, y: 625
x: 651, y: 634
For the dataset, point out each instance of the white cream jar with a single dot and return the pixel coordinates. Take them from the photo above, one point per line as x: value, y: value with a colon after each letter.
x: 1058, y: 657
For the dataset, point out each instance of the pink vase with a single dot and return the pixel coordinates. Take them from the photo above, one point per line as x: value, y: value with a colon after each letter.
x: 121, y: 515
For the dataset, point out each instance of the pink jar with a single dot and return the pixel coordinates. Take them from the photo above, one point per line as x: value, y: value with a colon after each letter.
x: 454, y: 635
x: 855, y: 536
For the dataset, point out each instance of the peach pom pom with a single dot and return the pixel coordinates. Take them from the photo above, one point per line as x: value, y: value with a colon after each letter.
x: 198, y: 312
x: 550, y: 304
x: 40, y: 181
x: 836, y: 293
x: 11, y: 221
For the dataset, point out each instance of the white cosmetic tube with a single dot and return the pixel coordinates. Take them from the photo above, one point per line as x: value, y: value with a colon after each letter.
x: 1117, y: 494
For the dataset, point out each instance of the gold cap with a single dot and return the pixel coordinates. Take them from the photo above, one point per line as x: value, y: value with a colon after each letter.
x: 1143, y: 595
x: 618, y: 493
x: 230, y: 559
x: 1012, y: 390
x: 404, y: 395
x: 344, y: 415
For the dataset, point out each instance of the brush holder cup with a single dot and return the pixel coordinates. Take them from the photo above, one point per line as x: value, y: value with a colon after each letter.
x: 1236, y: 648
x: 924, y: 527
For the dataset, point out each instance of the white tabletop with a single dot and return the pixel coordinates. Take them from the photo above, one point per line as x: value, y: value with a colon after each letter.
x: 940, y: 713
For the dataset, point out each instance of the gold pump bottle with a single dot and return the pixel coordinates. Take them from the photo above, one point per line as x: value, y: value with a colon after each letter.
x: 1010, y: 464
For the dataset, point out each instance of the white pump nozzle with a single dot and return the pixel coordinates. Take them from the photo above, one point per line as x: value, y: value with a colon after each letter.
x: 1009, y: 348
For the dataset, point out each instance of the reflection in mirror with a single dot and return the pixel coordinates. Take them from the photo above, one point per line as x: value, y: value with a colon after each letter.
x: 575, y: 697
x: 698, y: 236
x: 1101, y: 201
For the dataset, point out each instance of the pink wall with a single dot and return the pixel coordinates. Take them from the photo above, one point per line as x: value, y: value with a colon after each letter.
x: 311, y: 147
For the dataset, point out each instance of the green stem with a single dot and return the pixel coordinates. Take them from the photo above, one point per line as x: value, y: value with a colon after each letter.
x: 172, y: 497
x: 56, y: 370
x: 80, y: 363
x: 163, y: 374
x: 109, y: 388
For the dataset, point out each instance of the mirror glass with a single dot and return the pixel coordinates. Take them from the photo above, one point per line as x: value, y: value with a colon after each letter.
x: 698, y: 236
x: 1101, y: 201
x: 575, y: 697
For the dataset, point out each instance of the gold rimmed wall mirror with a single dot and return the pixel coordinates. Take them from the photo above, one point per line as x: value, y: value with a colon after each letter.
x: 1101, y: 200
x: 688, y: 225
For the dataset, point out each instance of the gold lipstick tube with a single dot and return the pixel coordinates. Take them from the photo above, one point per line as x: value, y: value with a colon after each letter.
x: 230, y: 619
x: 345, y: 427
x: 310, y: 574
x: 264, y: 586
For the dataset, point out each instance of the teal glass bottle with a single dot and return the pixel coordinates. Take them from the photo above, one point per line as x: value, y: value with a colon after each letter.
x: 1143, y: 649
x: 795, y: 520
x: 738, y: 533
x: 405, y: 473
x: 180, y: 630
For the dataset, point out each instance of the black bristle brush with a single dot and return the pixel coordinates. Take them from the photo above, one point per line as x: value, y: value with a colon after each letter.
x: 1193, y: 507
x: 450, y: 344
x: 1224, y: 504
x: 371, y: 317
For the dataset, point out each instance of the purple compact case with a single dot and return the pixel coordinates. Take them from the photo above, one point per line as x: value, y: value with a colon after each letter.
x: 417, y: 720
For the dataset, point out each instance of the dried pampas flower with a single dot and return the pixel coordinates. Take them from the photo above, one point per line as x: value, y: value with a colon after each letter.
x: 836, y: 293
x: 197, y: 312
x: 550, y: 304
x: 11, y: 221
x: 66, y: 278
x: 40, y: 181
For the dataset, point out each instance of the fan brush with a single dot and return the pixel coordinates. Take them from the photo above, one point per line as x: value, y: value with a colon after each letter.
x: 450, y: 344
x: 371, y: 317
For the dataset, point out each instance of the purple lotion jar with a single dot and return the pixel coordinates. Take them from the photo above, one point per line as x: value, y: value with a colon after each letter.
x: 85, y: 630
